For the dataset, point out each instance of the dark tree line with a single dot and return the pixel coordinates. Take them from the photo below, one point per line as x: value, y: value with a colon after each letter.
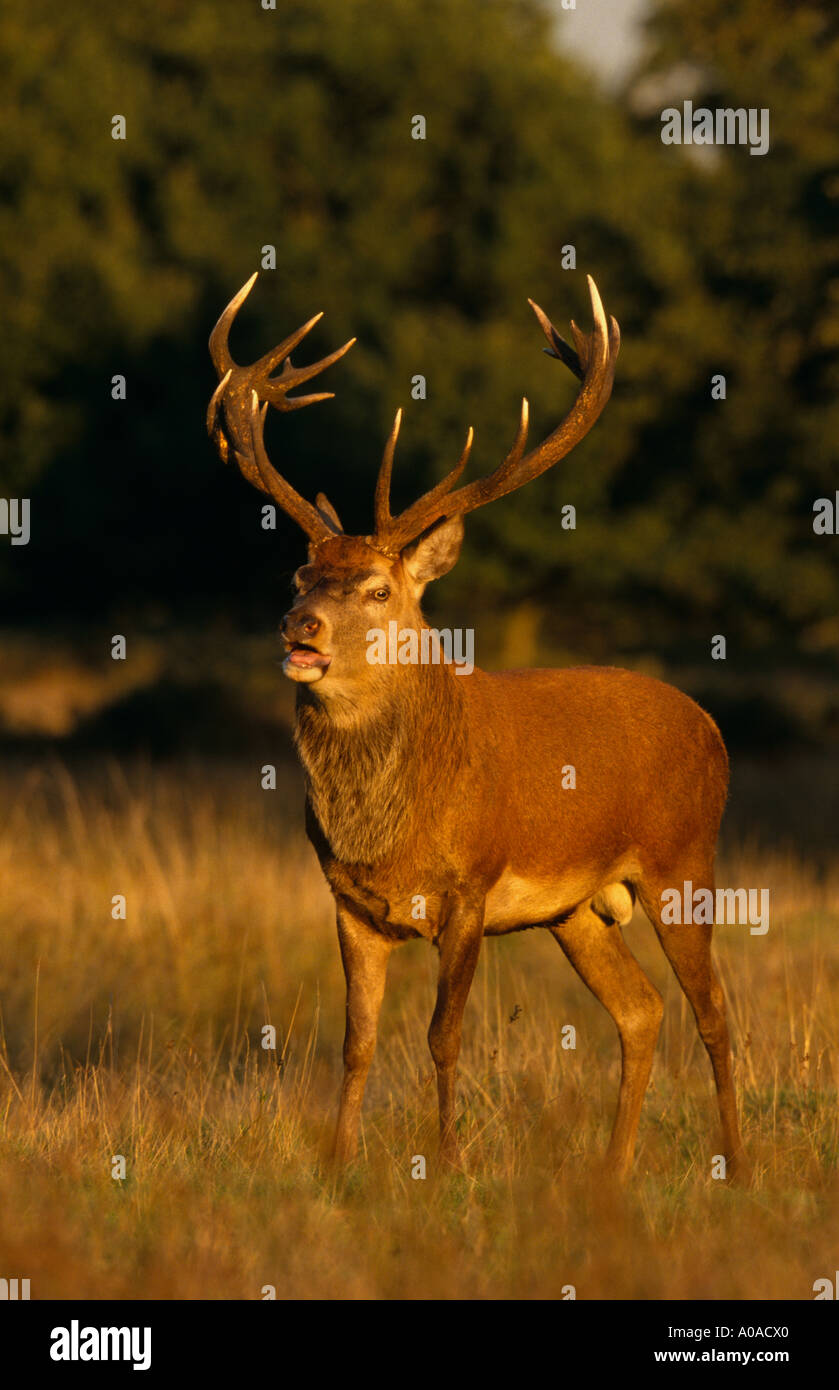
x: 292, y: 128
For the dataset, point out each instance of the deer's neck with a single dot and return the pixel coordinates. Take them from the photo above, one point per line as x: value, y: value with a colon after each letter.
x: 368, y: 778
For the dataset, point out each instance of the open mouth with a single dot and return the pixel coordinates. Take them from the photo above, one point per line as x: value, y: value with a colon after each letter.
x: 304, y: 658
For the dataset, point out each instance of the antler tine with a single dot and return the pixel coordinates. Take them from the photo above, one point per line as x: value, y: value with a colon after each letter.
x: 235, y: 421
x: 272, y: 359
x: 381, y: 503
x: 594, y: 362
x: 291, y: 376
x: 598, y: 352
x: 298, y: 402
x: 308, y: 518
x: 411, y: 523
x: 219, y: 351
x: 446, y: 484
x: 214, y: 429
x: 558, y: 346
x: 493, y: 485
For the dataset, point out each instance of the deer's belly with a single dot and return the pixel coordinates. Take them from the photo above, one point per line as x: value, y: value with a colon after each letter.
x: 522, y: 902
x: 514, y: 901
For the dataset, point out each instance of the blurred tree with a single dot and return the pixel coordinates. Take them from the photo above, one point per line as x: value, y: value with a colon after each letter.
x: 736, y: 480
x: 294, y: 128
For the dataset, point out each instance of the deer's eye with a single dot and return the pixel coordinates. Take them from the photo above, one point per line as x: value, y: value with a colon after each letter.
x: 381, y: 595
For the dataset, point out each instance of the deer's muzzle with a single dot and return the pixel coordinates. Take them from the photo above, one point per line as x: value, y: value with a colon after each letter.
x: 304, y: 661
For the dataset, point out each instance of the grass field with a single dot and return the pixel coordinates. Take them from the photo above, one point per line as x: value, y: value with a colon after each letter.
x: 141, y: 1038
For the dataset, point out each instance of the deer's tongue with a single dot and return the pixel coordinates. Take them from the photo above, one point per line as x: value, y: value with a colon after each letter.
x: 302, y: 656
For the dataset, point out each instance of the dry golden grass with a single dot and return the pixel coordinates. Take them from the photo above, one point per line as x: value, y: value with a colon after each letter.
x: 142, y: 1038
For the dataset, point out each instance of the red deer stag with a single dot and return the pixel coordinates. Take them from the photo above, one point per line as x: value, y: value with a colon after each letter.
x: 424, y: 786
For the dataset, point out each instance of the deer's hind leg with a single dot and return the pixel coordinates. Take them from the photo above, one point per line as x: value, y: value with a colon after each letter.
x: 602, y: 959
x: 687, y: 946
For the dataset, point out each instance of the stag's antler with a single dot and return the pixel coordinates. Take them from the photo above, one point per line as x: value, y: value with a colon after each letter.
x: 244, y: 394
x: 593, y: 362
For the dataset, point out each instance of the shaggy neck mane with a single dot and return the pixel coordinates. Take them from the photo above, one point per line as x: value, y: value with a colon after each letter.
x: 369, y: 773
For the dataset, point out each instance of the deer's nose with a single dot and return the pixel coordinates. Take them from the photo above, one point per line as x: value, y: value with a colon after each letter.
x: 300, y: 627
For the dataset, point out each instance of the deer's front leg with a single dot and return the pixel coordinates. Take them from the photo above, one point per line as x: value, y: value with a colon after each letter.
x: 365, y: 955
x: 460, y: 945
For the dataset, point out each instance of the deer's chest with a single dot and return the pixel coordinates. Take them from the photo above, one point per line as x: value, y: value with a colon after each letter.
x: 399, y: 905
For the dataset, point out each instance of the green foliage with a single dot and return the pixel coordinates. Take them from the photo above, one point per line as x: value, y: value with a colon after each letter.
x: 293, y: 128
x: 765, y: 238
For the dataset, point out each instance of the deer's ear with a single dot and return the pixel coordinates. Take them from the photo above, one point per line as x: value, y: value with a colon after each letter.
x: 435, y: 552
x: 326, y: 509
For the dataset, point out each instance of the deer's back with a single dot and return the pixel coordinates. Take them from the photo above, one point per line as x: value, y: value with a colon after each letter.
x: 594, y: 762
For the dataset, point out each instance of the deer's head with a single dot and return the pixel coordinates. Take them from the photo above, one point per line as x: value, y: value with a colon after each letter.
x: 352, y: 584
